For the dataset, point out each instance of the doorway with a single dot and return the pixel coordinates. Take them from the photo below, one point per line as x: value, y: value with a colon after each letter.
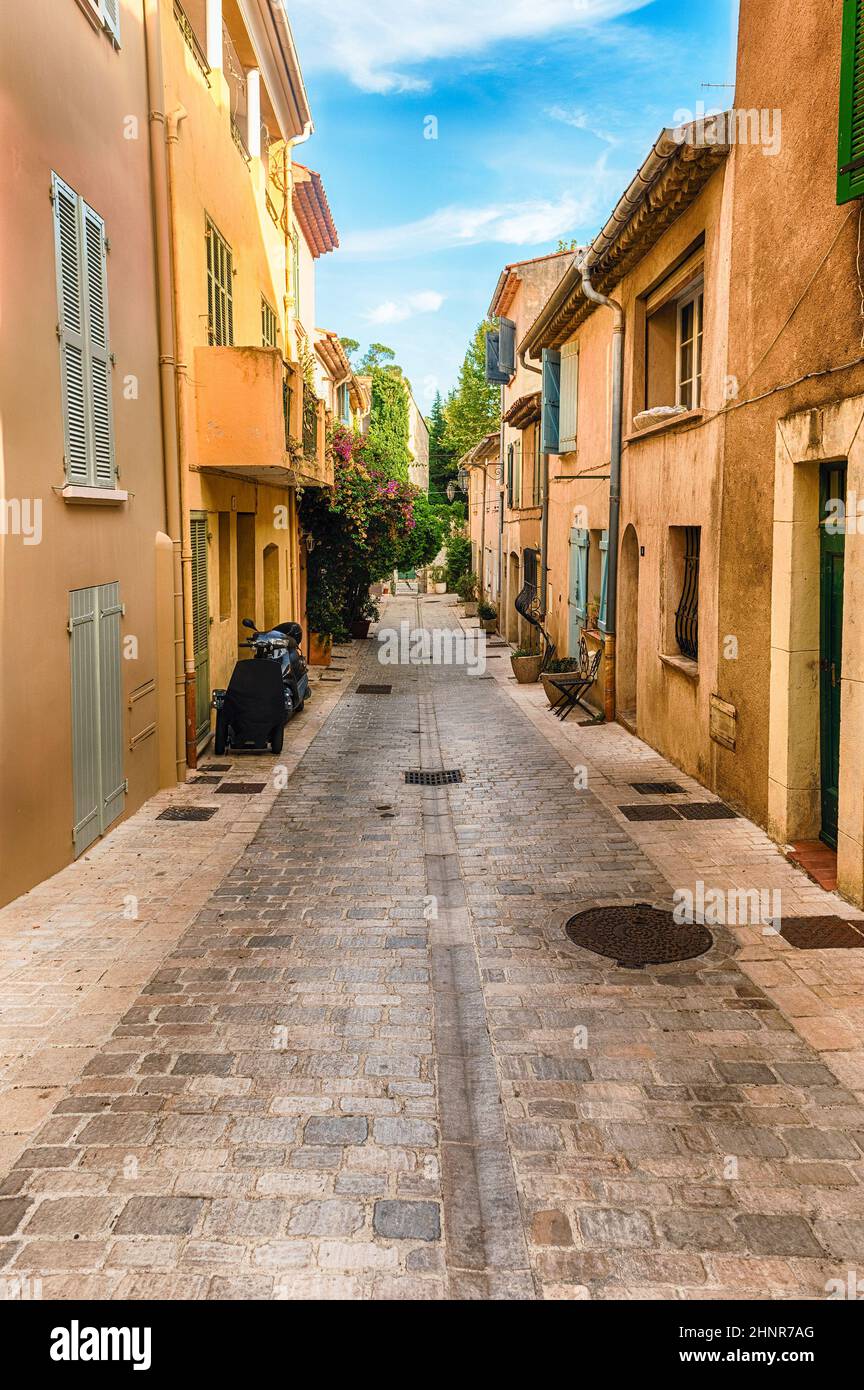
x: 832, y: 545
x: 245, y: 576
x: 200, y: 624
x: 628, y: 627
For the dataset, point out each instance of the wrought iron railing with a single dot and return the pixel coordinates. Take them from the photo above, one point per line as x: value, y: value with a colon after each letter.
x: 239, y: 141
x: 687, y: 612
x: 529, y: 604
x: 191, y: 39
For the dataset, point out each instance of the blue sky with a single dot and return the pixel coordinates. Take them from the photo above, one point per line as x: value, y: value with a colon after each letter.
x: 544, y: 110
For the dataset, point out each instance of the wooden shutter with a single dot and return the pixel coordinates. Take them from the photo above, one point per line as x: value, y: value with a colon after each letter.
x: 507, y: 347
x: 569, y: 397
x: 579, y: 541
x: 551, y: 402
x: 604, y: 572
x: 850, y: 175
x: 96, y: 300
x: 113, y: 780
x: 510, y: 452
x: 517, y: 473
x: 494, y: 373
x: 71, y: 331
x: 111, y: 18
x: 86, y: 777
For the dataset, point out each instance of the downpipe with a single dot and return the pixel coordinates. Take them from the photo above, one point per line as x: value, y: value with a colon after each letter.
x: 544, y: 507
x: 609, y: 652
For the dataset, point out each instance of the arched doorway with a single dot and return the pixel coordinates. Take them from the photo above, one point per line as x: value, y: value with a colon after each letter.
x: 628, y: 627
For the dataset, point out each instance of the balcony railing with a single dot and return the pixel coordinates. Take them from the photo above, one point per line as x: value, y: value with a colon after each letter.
x: 191, y: 39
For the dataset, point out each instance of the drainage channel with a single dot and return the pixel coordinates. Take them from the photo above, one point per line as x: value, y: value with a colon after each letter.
x: 484, y: 1238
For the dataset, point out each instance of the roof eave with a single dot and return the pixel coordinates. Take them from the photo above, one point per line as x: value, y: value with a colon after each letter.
x: 273, y: 41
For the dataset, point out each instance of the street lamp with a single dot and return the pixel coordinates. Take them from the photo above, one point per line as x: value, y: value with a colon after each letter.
x: 462, y: 478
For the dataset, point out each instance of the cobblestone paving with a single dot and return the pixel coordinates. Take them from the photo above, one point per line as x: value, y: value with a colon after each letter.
x: 361, y: 1073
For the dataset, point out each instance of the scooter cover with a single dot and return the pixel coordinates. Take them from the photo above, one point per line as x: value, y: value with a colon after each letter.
x: 254, y: 700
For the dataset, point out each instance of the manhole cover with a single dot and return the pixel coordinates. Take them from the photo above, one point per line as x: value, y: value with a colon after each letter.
x: 823, y: 933
x: 707, y: 810
x: 188, y: 813
x: 638, y: 935
x: 646, y: 812
x: 242, y: 788
x: 656, y: 788
x: 374, y: 689
x: 433, y: 779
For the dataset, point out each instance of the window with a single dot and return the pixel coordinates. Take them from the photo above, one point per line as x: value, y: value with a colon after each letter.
x: 220, y: 289
x: 569, y: 397
x: 85, y: 358
x: 682, y: 601
x: 269, y: 325
x: 108, y: 13
x: 98, y: 779
x: 689, y: 358
x: 343, y: 404
x: 850, y: 161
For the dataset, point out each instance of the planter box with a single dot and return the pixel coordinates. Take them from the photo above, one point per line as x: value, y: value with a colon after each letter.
x: 441, y: 588
x: 470, y: 608
x: 488, y: 624
x: 360, y: 628
x: 320, y: 648
x: 526, y: 669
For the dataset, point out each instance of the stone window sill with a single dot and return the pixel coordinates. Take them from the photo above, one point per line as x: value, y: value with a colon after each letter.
x: 690, y: 417
x: 94, y: 496
x: 688, y: 668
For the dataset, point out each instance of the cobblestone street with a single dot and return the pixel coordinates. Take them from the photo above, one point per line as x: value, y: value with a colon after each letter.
x: 360, y: 1072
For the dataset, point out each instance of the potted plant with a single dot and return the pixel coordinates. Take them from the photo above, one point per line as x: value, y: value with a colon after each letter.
x: 526, y: 665
x: 466, y: 588
x: 488, y: 615
x: 363, y: 619
x: 567, y: 663
x: 594, y: 613
x: 438, y: 579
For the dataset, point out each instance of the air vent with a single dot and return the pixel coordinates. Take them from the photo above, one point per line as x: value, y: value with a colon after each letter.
x: 188, y: 813
x: 434, y: 779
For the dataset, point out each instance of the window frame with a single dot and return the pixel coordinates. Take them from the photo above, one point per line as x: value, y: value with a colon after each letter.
x: 269, y: 318
x: 693, y: 295
x: 216, y: 241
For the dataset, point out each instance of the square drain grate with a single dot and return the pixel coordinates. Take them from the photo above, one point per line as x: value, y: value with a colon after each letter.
x: 707, y: 810
x: 418, y: 778
x: 204, y: 781
x: 242, y: 788
x: 656, y: 788
x: 188, y: 813
x: 374, y: 689
x: 644, y: 812
x: 823, y: 934
x: 215, y: 767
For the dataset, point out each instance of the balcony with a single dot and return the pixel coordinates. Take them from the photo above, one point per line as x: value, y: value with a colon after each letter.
x: 249, y: 419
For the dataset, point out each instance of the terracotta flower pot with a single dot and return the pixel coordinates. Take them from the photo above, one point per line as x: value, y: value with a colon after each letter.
x: 526, y: 669
x: 320, y: 647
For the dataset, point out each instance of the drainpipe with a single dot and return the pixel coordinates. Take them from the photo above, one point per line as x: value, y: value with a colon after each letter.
x: 167, y: 361
x: 614, y: 480
x: 502, y: 498
x: 172, y: 136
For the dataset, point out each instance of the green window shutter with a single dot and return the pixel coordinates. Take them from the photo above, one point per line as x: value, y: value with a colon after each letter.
x: 550, y: 402
x: 71, y: 331
x: 604, y: 572
x: 96, y: 299
x: 850, y: 175
x: 580, y: 539
x: 113, y: 780
x: 86, y: 775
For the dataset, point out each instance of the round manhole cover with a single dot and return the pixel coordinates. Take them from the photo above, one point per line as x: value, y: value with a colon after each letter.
x: 638, y: 934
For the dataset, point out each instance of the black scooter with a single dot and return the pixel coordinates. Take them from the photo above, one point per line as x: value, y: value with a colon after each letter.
x: 262, y: 694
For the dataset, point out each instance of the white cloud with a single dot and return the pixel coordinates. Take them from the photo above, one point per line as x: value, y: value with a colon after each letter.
x: 580, y: 120
x: 529, y: 223
x: 377, y: 43
x: 393, y: 311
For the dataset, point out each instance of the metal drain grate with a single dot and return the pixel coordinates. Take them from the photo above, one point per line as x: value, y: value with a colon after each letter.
x: 374, y: 689
x: 418, y: 778
x: 823, y: 934
x: 645, y: 812
x: 638, y: 934
x: 204, y: 781
x: 215, y: 767
x: 242, y: 788
x: 656, y: 788
x: 707, y: 810
x: 188, y: 813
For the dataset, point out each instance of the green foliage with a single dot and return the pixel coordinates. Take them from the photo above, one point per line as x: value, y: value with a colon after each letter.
x: 486, y: 611
x: 458, y: 551
x: 473, y: 407
x: 376, y: 355
x: 387, y: 438
x: 367, y: 526
x: 442, y: 460
x: 466, y: 587
x: 350, y: 345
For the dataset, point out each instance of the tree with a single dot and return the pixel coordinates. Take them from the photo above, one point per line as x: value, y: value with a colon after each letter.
x: 442, y: 460
x: 387, y: 437
x: 473, y: 408
x: 350, y: 345
x: 375, y: 356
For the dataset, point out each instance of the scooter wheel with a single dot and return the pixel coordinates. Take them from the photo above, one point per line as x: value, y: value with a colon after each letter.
x: 276, y: 739
x: 220, y: 738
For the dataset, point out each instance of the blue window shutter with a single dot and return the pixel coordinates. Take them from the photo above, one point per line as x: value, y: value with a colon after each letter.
x: 551, y: 402
x: 494, y: 371
x: 604, y: 569
x: 580, y: 538
x: 507, y: 346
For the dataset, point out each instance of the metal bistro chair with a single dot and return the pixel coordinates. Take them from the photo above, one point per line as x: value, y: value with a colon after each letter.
x: 573, y: 685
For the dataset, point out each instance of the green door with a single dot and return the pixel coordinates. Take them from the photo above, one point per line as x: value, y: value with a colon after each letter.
x: 200, y: 626
x: 832, y: 545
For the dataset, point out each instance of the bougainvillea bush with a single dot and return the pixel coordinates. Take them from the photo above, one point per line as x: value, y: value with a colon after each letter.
x: 365, y: 527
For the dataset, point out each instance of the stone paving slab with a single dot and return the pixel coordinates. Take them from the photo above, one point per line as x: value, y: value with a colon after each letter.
x: 373, y: 1065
